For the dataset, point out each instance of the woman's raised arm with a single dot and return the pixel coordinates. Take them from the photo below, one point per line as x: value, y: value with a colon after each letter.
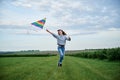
x: 49, y: 31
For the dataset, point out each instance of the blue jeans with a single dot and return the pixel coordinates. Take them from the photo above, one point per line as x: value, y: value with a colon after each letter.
x: 61, y: 50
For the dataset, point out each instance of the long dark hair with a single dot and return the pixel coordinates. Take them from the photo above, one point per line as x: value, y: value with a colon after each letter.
x: 62, y: 31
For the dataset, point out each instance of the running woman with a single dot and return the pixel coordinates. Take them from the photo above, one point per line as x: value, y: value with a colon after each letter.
x: 61, y: 41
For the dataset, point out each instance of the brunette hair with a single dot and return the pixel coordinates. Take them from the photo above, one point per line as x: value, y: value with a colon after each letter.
x: 62, y: 31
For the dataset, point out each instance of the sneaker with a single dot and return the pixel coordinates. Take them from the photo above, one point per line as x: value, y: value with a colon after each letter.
x: 60, y: 65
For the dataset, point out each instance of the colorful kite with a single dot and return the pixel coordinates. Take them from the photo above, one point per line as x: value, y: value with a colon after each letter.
x: 39, y: 23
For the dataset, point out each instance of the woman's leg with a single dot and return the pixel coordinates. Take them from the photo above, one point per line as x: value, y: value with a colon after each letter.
x: 61, y: 51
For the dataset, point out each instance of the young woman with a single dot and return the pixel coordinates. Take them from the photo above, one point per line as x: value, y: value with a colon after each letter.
x: 61, y: 40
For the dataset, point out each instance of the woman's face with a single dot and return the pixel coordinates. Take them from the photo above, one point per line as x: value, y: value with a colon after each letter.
x: 60, y: 32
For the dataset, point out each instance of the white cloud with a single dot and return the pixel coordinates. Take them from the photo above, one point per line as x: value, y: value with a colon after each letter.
x: 23, y: 4
x: 65, y: 14
x: 95, y: 23
x: 114, y: 29
x: 104, y: 9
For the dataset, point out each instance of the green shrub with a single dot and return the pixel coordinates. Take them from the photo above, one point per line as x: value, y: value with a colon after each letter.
x: 113, y: 54
x: 110, y: 54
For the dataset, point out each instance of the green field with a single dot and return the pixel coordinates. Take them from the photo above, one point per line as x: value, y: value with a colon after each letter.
x: 45, y: 68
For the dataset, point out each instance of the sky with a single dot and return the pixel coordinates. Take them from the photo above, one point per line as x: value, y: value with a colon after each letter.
x: 91, y: 24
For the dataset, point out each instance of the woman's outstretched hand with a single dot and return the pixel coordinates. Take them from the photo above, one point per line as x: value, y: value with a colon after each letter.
x: 48, y: 31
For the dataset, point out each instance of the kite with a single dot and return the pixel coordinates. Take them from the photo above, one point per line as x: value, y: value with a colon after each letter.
x: 39, y: 23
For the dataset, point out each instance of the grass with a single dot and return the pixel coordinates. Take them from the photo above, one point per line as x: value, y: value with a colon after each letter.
x: 45, y: 68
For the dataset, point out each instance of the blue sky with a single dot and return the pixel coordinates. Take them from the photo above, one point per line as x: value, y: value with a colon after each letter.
x: 90, y: 23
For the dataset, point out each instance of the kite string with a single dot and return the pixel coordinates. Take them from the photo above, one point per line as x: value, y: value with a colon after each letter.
x: 49, y: 27
x: 29, y: 29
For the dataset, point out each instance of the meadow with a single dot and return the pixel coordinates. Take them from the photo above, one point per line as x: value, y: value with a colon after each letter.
x: 45, y: 68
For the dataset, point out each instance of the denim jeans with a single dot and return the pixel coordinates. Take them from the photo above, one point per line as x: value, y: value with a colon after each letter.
x: 61, y: 50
